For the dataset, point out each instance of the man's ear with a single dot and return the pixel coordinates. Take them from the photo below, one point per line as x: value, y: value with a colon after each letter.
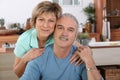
x: 77, y: 44
x: 76, y: 36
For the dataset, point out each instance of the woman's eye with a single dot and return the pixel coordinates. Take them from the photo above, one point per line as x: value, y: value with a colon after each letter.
x: 40, y: 19
x: 51, y: 20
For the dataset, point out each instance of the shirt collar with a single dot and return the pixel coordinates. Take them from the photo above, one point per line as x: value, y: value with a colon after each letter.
x: 34, y: 41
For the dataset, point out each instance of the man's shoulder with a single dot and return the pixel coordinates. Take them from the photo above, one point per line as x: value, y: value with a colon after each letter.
x: 81, y: 67
x: 49, y: 47
x: 74, y: 47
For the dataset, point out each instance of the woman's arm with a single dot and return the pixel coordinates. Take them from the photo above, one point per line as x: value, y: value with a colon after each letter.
x: 20, y: 63
x: 19, y: 66
x: 92, y: 72
x: 85, y: 54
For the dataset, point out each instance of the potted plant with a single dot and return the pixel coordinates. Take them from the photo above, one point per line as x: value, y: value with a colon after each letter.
x: 83, y: 38
x: 15, y: 25
x: 2, y: 22
x: 90, y: 13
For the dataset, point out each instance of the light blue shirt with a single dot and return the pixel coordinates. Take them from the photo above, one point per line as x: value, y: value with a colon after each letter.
x: 27, y: 41
x: 49, y: 67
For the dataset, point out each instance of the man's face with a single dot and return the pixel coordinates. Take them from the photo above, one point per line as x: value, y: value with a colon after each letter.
x: 65, y: 32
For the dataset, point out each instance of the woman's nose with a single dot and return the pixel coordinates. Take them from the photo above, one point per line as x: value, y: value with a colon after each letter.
x: 45, y: 24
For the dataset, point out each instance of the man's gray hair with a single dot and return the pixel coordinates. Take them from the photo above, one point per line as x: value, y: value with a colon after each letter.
x: 73, y: 17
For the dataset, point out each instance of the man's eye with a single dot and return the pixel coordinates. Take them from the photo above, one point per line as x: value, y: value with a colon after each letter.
x: 59, y: 27
x: 71, y: 30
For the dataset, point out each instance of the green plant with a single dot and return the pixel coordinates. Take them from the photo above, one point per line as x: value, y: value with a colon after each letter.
x: 83, y: 35
x: 83, y: 38
x: 90, y: 12
x: 15, y: 25
x: 2, y: 22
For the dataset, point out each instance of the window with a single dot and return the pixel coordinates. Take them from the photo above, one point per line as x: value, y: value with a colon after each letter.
x: 68, y: 2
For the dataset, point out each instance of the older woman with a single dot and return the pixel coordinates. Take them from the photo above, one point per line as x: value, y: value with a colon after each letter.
x: 32, y: 42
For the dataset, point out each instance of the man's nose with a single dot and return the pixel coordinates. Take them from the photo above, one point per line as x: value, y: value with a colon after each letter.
x: 65, y: 32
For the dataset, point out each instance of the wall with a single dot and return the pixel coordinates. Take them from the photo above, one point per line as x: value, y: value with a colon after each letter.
x: 106, y: 56
x: 19, y: 10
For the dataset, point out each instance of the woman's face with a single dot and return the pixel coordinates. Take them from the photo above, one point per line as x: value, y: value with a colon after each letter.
x: 45, y: 24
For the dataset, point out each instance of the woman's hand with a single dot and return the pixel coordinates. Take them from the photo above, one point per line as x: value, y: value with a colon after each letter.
x: 32, y: 54
x: 75, y: 58
x: 85, y: 53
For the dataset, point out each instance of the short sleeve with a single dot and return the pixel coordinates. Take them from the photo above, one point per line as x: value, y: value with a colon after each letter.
x: 21, y: 48
x: 25, y: 42
x: 31, y: 72
x: 49, y: 41
x: 83, y: 71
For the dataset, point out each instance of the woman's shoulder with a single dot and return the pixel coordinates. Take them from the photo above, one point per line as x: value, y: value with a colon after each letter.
x: 27, y: 34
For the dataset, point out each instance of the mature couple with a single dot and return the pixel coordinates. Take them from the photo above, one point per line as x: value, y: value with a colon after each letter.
x: 53, y: 62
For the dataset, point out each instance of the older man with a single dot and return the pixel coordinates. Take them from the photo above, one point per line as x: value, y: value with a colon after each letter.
x: 55, y: 64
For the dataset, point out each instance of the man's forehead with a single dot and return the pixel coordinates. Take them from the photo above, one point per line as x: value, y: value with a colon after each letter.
x: 66, y: 20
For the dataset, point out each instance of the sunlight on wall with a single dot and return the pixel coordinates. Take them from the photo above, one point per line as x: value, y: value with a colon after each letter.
x: 17, y: 11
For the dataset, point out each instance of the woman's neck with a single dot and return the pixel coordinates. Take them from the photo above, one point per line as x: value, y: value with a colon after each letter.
x: 41, y: 41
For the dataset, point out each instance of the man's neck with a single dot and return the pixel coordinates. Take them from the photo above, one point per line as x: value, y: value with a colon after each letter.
x: 61, y: 52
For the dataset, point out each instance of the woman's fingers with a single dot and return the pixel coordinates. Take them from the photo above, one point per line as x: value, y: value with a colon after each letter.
x: 79, y: 61
x: 73, y: 59
x: 36, y: 53
x: 33, y: 53
x: 76, y: 59
x: 83, y: 53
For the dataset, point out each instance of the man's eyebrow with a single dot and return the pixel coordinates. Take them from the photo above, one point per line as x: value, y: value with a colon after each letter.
x: 71, y: 28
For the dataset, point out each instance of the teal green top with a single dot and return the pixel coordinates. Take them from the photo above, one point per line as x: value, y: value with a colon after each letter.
x: 27, y: 41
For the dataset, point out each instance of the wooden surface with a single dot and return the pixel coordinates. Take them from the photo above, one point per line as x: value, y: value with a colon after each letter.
x: 115, y: 34
x: 114, y: 19
x: 95, y: 35
x: 99, y: 13
x: 111, y: 6
x: 8, y: 39
x: 6, y: 50
x: 107, y: 47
